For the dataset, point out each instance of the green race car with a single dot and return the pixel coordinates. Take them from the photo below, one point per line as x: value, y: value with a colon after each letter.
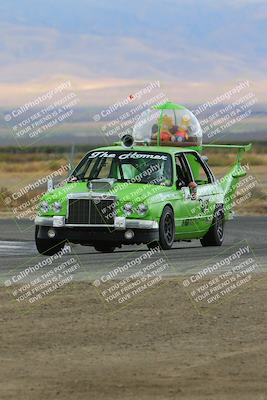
x: 143, y: 190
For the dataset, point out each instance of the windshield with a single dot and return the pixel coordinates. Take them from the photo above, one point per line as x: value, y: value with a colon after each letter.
x: 126, y: 166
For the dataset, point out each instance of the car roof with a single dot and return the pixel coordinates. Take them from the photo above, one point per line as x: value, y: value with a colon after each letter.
x: 149, y: 149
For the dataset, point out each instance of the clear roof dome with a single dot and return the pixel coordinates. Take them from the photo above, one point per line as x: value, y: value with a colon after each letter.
x: 168, y: 124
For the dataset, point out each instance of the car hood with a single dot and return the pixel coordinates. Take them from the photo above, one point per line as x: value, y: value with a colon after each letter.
x: 125, y: 192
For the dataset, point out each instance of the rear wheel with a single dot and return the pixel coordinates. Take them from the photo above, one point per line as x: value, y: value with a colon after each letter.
x: 166, y: 230
x: 46, y: 246
x: 215, y: 235
x: 104, y: 248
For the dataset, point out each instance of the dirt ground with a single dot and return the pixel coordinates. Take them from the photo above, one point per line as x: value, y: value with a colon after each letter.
x: 159, y: 347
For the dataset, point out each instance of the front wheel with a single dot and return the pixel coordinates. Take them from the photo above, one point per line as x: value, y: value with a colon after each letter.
x: 152, y: 245
x: 46, y: 246
x: 166, y: 230
x: 215, y: 235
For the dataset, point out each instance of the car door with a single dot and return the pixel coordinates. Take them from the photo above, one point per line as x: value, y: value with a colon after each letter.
x: 186, y: 203
x: 206, y: 192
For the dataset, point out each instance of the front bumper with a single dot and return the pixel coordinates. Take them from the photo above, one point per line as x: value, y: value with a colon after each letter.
x: 120, y: 223
x: 144, y: 231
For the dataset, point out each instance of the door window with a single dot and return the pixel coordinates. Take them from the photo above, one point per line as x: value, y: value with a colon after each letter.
x: 183, y: 172
x: 199, y: 170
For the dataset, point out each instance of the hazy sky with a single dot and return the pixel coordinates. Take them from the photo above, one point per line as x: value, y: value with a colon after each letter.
x: 194, y: 47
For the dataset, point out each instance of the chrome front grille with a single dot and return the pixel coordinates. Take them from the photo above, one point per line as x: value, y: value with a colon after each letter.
x: 82, y: 211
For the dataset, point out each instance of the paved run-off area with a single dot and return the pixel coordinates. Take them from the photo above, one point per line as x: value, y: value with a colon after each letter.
x: 17, y: 248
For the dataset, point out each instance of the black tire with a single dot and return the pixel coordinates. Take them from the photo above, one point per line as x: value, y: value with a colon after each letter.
x: 46, y: 246
x: 166, y: 230
x: 104, y: 248
x: 152, y: 245
x: 215, y: 235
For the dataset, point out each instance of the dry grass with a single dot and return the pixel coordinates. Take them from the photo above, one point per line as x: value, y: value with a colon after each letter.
x: 17, y: 164
x: 226, y: 159
x: 18, y: 170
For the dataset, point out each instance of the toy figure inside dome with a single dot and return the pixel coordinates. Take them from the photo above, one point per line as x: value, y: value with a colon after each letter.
x: 169, y: 131
x: 165, y: 129
x: 180, y: 133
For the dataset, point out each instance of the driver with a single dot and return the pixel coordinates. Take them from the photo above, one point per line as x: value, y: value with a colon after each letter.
x: 183, y: 180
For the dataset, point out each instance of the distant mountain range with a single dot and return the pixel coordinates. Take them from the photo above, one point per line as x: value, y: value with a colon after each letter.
x: 81, y: 128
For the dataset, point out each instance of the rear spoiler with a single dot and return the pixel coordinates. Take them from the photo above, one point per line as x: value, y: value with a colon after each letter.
x: 245, y: 147
x: 241, y: 148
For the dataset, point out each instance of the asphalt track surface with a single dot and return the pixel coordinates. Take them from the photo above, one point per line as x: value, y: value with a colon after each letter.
x: 17, y: 250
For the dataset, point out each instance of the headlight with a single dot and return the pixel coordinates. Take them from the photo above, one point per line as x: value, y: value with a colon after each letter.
x: 44, y: 207
x: 57, y: 206
x: 142, y: 209
x: 128, y: 209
